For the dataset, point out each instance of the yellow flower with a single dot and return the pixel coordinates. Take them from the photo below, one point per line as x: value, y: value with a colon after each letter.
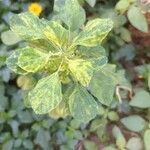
x: 35, y: 8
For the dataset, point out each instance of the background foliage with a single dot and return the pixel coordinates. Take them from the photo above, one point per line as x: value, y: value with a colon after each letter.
x: 126, y: 125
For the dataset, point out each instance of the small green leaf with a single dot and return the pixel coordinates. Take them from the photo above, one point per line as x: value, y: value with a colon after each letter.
x: 46, y: 95
x: 82, y: 105
x: 43, y: 138
x: 109, y: 148
x: 125, y: 34
x: 134, y: 123
x: 31, y: 60
x: 134, y: 143
x: 94, y: 32
x: 8, y: 145
x: 9, y: 38
x: 82, y: 70
x: 28, y: 144
x: 113, y: 116
x: 147, y: 139
x: 90, y: 145
x: 141, y: 100
x: 137, y: 19
x: 102, y: 85
x: 73, y: 15
x: 121, y: 78
x: 91, y: 2
x: 120, y: 139
x: 122, y: 6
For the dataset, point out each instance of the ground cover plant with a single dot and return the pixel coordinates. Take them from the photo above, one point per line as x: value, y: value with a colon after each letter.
x: 81, y: 81
x: 69, y: 62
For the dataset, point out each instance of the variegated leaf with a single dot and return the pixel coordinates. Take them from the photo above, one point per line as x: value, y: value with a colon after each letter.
x: 27, y: 26
x: 12, y: 61
x: 46, y: 95
x: 61, y: 111
x: 102, y: 85
x: 82, y: 70
x: 82, y: 105
x: 96, y: 55
x: 46, y: 45
x: 31, y: 60
x: 91, y: 52
x: 56, y: 34
x: 30, y: 28
x: 73, y: 14
x: 94, y: 32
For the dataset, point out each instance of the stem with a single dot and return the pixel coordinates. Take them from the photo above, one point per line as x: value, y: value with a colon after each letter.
x: 60, y: 65
x: 118, y: 88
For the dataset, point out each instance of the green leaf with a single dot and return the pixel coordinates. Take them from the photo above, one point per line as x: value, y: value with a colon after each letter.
x: 82, y: 70
x: 12, y: 63
x: 27, y: 26
x: 43, y: 138
x: 73, y: 15
x: 61, y: 111
x: 9, y: 38
x: 90, y: 145
x: 120, y: 139
x: 113, y: 116
x: 109, y: 148
x: 147, y: 139
x: 82, y: 105
x: 8, y: 145
x: 149, y: 79
x: 98, y: 124
x: 121, y: 78
x: 28, y: 144
x: 134, y: 143
x: 91, y: 2
x: 94, y: 32
x: 96, y: 55
x: 30, y: 28
x: 58, y: 5
x: 122, y: 6
x: 137, y: 19
x: 126, y: 52
x: 134, y: 123
x: 102, y: 85
x: 125, y: 34
x: 141, y: 100
x: 25, y: 117
x: 56, y: 34
x: 31, y: 60
x: 90, y: 52
x: 3, y: 103
x: 46, y: 95
x: 45, y: 47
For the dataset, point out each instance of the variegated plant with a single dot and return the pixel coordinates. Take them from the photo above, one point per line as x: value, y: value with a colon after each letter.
x: 66, y: 54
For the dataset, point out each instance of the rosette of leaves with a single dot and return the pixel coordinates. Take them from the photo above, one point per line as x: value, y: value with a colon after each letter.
x: 73, y: 75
